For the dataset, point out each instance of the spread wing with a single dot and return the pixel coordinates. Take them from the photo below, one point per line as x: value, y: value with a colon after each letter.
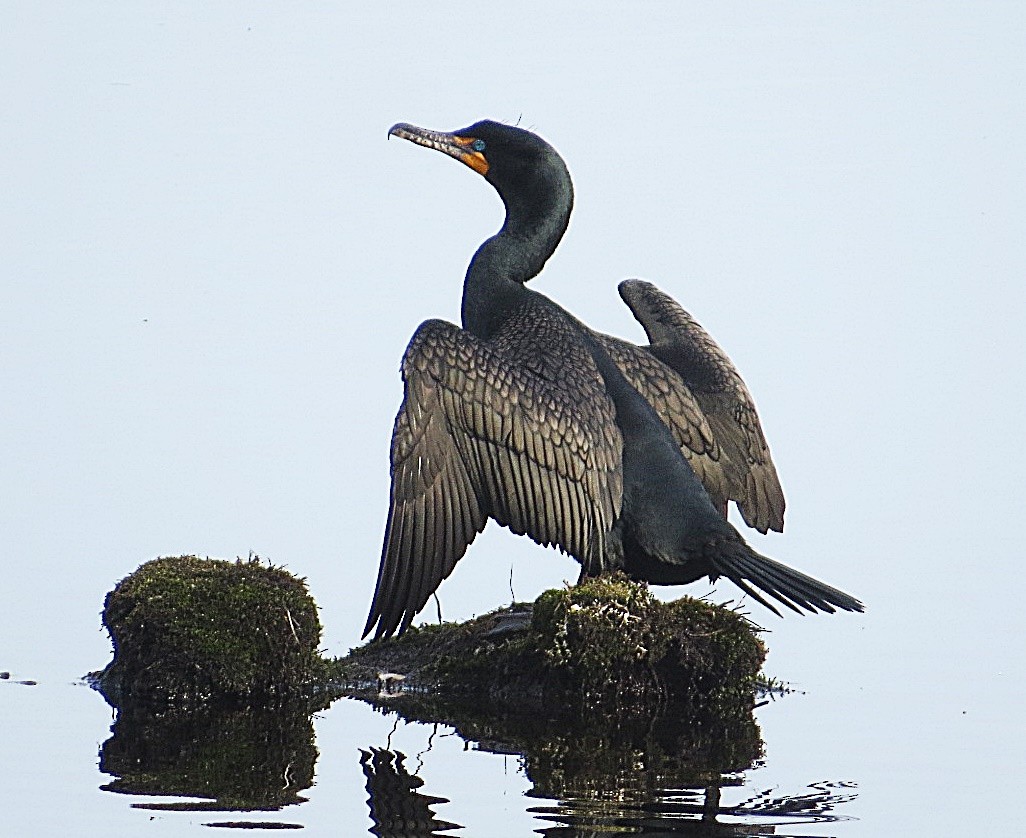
x: 716, y: 386
x: 481, y: 436
x: 677, y: 407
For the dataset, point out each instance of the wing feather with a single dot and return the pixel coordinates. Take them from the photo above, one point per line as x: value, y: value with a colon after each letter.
x: 479, y: 435
x: 663, y: 388
x: 748, y: 475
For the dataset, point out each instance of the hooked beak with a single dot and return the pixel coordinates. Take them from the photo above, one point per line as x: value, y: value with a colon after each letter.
x: 456, y: 146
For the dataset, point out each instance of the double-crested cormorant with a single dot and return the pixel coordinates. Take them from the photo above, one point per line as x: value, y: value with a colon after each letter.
x: 624, y: 457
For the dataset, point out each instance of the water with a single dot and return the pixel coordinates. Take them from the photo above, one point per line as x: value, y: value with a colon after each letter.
x: 420, y: 774
x: 867, y: 746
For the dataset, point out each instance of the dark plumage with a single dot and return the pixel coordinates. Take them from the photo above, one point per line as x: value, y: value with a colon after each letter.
x: 624, y: 457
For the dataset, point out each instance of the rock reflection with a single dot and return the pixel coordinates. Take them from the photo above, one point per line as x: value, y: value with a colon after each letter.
x: 397, y: 809
x: 233, y: 758
x: 658, y: 773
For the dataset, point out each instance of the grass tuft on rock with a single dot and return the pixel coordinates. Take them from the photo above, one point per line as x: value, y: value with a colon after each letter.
x: 605, y: 642
x: 613, y: 641
x: 188, y: 630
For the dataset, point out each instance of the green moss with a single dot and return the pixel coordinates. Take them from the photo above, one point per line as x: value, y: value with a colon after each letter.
x: 186, y: 630
x: 616, y: 642
x: 599, y: 634
x: 600, y: 687
x: 607, y: 641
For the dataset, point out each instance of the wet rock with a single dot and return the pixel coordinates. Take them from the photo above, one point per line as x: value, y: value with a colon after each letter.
x: 188, y: 631
x: 607, y: 642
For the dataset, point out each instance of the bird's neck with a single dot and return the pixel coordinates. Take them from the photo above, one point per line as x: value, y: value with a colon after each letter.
x: 534, y: 225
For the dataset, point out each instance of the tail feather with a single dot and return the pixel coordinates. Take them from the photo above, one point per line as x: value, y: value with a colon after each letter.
x: 741, y: 565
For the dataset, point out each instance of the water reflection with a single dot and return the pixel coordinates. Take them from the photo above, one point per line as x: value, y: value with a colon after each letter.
x: 397, y: 809
x: 232, y: 758
x: 697, y: 812
x: 665, y: 772
x: 660, y: 773
x: 595, y: 754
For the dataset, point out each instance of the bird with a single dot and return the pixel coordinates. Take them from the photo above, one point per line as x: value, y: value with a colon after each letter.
x: 624, y: 457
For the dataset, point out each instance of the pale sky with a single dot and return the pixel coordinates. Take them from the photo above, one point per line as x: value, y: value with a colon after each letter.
x: 212, y: 260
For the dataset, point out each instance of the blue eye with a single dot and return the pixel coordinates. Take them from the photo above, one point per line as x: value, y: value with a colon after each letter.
x: 478, y: 145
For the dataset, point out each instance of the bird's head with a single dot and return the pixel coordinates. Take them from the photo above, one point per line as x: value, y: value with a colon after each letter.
x: 521, y: 166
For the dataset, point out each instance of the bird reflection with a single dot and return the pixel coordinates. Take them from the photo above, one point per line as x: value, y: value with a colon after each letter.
x: 697, y: 812
x: 397, y: 809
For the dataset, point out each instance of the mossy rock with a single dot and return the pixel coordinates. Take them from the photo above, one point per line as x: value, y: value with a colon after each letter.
x: 605, y: 642
x: 610, y: 639
x: 598, y: 686
x: 188, y: 630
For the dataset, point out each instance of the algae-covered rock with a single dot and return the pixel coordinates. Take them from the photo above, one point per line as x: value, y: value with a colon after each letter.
x: 598, y: 687
x: 610, y: 639
x: 606, y: 641
x: 188, y: 630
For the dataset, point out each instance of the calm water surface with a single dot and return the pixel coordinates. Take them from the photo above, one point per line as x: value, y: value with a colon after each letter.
x: 872, y: 745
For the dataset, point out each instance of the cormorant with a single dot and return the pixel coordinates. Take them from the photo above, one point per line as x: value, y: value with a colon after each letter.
x: 622, y: 456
